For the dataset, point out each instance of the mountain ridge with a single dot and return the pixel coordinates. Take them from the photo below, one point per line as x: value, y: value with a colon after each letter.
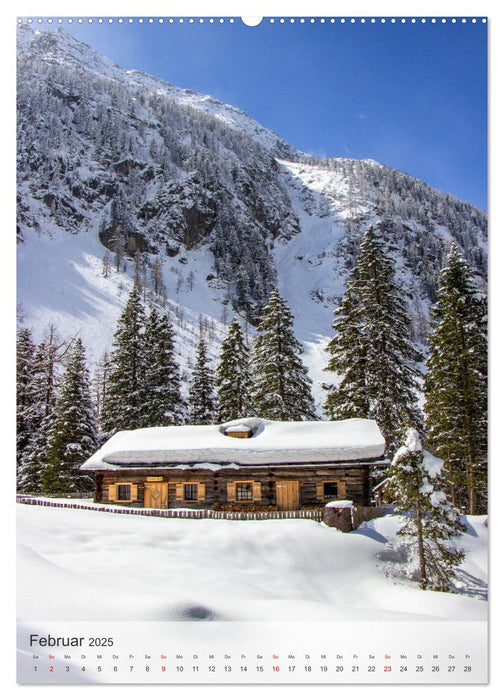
x: 113, y: 159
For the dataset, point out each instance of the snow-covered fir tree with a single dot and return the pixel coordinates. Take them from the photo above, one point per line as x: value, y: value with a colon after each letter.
x: 35, y: 457
x: 233, y: 378
x: 202, y: 400
x: 282, y: 387
x: 124, y: 402
x: 372, y: 350
x: 164, y: 403
x: 456, y: 383
x: 100, y: 381
x: 26, y: 419
x: 418, y: 484
x: 47, y: 362
x: 72, y: 437
x: 349, y: 353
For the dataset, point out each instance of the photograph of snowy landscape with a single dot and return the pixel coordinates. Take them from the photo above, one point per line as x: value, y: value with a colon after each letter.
x: 251, y: 322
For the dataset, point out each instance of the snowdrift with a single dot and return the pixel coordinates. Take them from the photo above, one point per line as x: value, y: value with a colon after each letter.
x: 85, y: 565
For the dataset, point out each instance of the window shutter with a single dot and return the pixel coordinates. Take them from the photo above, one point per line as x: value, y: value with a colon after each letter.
x: 134, y: 492
x: 179, y: 492
x: 112, y: 492
x: 320, y: 491
x: 341, y: 489
x: 201, y: 492
x: 231, y: 491
x: 256, y: 491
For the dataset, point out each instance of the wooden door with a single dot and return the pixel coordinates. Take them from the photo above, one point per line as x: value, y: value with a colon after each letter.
x: 287, y: 494
x: 156, y: 494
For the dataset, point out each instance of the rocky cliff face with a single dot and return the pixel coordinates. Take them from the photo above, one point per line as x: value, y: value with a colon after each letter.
x: 121, y: 160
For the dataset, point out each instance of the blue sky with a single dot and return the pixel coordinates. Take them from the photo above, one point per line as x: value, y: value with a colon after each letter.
x: 412, y: 96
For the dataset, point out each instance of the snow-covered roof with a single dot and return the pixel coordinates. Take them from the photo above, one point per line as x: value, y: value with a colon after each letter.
x: 272, y: 442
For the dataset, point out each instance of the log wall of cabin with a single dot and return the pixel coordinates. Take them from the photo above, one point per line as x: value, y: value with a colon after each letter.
x: 98, y: 479
x: 353, y: 484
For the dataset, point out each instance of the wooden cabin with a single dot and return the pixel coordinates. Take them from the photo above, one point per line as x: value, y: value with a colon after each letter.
x: 282, y: 465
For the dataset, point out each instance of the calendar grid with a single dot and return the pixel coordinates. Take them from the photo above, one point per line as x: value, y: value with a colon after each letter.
x: 453, y: 653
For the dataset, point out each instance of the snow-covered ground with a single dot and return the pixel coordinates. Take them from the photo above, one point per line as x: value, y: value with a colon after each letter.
x: 87, y: 565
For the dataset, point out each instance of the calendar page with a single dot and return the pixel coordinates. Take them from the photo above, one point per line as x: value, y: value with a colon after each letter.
x: 252, y: 350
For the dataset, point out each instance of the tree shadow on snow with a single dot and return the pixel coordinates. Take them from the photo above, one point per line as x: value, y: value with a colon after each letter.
x: 470, y: 585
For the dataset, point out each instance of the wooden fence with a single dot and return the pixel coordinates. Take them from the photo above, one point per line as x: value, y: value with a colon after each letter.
x: 359, y: 514
x: 315, y: 514
x: 362, y: 513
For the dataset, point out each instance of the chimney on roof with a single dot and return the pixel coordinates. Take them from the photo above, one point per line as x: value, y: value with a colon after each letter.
x: 239, y: 431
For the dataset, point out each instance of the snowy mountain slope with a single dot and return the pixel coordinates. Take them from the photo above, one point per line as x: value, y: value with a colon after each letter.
x: 113, y: 159
x: 62, y: 284
x: 230, y: 116
x: 303, y: 571
x: 64, y: 50
x: 318, y: 259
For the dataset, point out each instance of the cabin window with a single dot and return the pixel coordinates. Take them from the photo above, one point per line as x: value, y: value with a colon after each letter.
x: 244, y: 491
x: 331, y: 489
x: 190, y: 492
x: 123, y: 492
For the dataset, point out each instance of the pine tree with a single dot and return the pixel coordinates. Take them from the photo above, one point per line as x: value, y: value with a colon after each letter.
x: 372, y: 350
x: 417, y: 485
x: 139, y: 272
x: 456, y: 383
x: 282, y: 387
x: 26, y: 419
x: 349, y: 354
x: 202, y: 404
x: 234, y: 382
x: 35, y: 457
x: 117, y: 247
x: 47, y: 359
x: 157, y: 279
x: 72, y: 435
x: 164, y: 403
x: 100, y: 382
x: 125, y: 400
